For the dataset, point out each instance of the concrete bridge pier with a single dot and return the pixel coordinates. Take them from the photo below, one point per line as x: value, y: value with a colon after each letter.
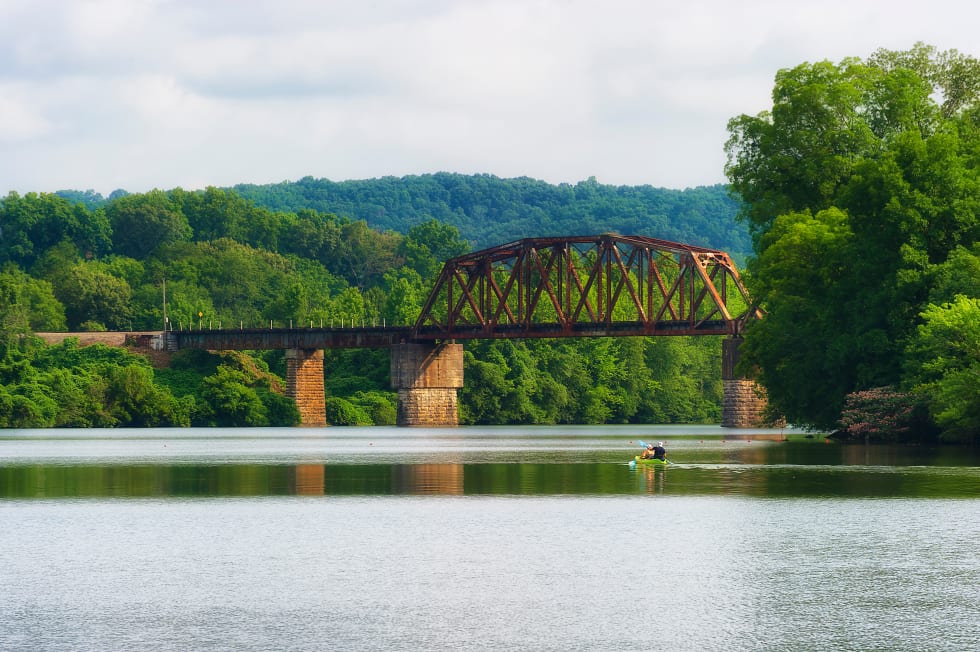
x: 304, y: 383
x: 426, y: 377
x: 743, y: 401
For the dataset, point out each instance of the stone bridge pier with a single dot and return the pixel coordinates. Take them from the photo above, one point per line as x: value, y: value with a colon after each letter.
x: 426, y: 377
x: 304, y: 383
x: 743, y: 400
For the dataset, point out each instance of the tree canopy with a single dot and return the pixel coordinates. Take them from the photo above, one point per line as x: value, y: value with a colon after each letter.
x: 859, y: 185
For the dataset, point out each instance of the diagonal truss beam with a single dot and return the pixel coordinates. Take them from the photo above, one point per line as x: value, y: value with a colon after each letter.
x: 586, y: 286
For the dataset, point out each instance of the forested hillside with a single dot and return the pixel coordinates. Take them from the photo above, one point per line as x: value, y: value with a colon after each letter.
x: 75, y: 261
x: 488, y: 210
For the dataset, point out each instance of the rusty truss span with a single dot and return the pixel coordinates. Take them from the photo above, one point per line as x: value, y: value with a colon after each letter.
x: 586, y: 286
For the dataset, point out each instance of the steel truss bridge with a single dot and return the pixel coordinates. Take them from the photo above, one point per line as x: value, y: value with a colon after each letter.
x: 581, y: 286
x: 586, y: 286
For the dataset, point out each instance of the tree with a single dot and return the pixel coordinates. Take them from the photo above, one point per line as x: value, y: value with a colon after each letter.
x: 880, y: 413
x: 233, y: 401
x: 404, y: 295
x: 428, y: 245
x: 91, y: 295
x: 341, y: 412
x: 943, y: 365
x: 857, y: 185
x: 806, y: 360
x: 133, y: 399
x: 27, y: 304
x: 797, y: 155
x: 141, y: 223
x: 959, y: 275
x: 32, y: 224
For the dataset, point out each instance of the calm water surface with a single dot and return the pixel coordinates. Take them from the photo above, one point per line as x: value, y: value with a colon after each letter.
x: 483, y: 539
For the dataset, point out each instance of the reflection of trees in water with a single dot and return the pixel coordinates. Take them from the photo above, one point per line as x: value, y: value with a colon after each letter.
x: 782, y: 470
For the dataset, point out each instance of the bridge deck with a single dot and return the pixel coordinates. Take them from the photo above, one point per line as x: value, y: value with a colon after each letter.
x: 378, y: 337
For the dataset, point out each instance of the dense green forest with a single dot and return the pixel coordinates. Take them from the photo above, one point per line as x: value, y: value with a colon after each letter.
x: 488, y: 210
x: 861, y: 186
x: 76, y: 261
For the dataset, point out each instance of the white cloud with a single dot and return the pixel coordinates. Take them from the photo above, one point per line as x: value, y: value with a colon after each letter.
x: 19, y: 120
x: 158, y: 93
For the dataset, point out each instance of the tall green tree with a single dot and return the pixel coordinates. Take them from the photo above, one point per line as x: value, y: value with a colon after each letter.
x: 141, y: 223
x: 28, y: 304
x: 428, y: 245
x: 94, y: 298
x: 857, y: 184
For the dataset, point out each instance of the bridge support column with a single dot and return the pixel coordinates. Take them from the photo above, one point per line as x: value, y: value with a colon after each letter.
x: 304, y: 383
x: 426, y: 377
x: 744, y: 400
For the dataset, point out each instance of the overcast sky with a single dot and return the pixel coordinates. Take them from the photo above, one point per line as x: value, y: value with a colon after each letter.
x: 141, y: 94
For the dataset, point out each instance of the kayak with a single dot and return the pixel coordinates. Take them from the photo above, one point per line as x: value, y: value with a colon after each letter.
x: 649, y: 461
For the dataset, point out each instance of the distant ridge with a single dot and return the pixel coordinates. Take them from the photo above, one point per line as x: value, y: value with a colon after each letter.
x: 489, y: 210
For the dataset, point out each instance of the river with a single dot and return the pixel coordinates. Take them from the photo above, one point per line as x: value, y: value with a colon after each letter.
x: 536, y: 538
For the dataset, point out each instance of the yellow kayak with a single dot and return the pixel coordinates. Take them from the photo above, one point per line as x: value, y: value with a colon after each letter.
x: 648, y: 461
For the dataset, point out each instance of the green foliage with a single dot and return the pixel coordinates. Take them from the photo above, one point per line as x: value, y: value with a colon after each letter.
x: 404, y: 296
x: 32, y: 224
x: 26, y: 406
x: 71, y: 386
x: 943, y: 366
x: 862, y: 191
x: 428, y: 245
x: 92, y: 294
x: 959, y: 275
x: 381, y: 407
x: 141, y: 223
x: 132, y: 399
x: 88, y: 198
x: 28, y: 304
x: 234, y: 402
x: 807, y: 357
x: 487, y: 210
x: 280, y: 409
x: 229, y: 389
x: 341, y: 412
x: 602, y: 380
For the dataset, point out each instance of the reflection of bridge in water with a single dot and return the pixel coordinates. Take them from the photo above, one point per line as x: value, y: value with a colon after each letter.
x: 581, y: 286
x: 422, y: 479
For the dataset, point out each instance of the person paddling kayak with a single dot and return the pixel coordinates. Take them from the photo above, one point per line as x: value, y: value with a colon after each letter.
x: 659, y: 452
x: 652, y: 452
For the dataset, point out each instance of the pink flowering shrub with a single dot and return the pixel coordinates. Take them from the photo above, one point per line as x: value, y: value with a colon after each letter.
x: 882, y: 413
